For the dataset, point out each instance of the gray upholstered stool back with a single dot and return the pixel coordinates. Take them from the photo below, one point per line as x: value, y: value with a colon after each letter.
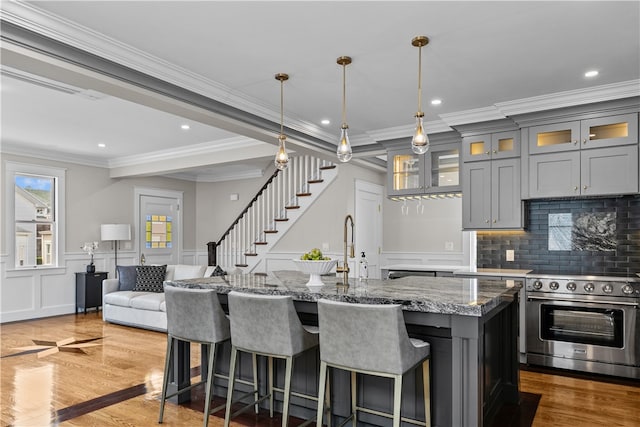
x: 267, y: 324
x: 368, y: 337
x: 195, y: 315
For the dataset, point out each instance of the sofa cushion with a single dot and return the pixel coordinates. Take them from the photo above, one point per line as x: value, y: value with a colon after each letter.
x: 127, y: 277
x: 148, y: 301
x: 183, y: 271
x: 150, y: 278
x: 122, y: 298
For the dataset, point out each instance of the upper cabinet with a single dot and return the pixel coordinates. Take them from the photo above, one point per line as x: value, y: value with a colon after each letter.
x: 591, y: 157
x: 606, y: 131
x: 436, y: 171
x: 491, y: 146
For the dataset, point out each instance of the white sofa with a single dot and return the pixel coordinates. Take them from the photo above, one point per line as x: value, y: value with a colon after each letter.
x: 144, y: 309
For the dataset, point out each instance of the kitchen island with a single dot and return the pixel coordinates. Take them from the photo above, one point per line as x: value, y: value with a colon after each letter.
x: 471, y: 324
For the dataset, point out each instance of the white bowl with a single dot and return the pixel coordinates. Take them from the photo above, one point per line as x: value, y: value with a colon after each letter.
x: 314, y: 269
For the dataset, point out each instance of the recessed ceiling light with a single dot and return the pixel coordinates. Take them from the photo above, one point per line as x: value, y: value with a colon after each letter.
x: 185, y: 127
x: 101, y: 145
x: 436, y: 101
x: 591, y: 73
x: 325, y: 121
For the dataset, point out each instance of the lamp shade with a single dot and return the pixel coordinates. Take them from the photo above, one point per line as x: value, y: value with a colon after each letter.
x: 115, y: 232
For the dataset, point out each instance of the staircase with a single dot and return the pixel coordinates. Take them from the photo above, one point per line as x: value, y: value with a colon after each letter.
x: 274, y: 209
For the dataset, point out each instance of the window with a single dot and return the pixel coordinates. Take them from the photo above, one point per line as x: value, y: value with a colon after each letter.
x: 37, y: 196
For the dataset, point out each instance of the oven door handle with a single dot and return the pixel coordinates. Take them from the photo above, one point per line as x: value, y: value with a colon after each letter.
x: 632, y: 304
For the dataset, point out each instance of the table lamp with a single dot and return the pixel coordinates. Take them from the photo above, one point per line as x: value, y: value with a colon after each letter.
x: 115, y: 233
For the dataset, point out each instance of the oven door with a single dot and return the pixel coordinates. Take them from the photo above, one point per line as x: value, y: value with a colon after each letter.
x: 586, y: 330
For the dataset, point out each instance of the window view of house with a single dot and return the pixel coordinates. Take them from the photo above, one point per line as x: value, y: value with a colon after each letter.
x: 35, y: 220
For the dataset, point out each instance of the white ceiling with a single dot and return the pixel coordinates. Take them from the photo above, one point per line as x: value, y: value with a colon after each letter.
x: 482, y: 56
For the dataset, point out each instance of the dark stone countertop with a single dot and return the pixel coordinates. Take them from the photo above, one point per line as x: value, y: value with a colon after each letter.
x: 443, y: 295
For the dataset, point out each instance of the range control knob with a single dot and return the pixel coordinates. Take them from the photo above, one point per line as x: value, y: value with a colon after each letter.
x: 627, y: 289
x: 554, y: 286
x: 607, y: 288
x: 589, y: 287
x: 537, y: 285
x: 571, y: 286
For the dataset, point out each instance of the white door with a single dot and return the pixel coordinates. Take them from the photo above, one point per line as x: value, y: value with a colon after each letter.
x: 368, y: 225
x: 159, y: 226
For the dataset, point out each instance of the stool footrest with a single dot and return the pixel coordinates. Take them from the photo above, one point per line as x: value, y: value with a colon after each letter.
x: 387, y: 415
x: 248, y: 405
x: 182, y: 390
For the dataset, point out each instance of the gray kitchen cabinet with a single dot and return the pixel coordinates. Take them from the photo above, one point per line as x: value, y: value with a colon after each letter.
x: 436, y: 171
x: 554, y: 174
x: 491, y: 195
x: 491, y: 146
x: 607, y: 131
x: 609, y: 170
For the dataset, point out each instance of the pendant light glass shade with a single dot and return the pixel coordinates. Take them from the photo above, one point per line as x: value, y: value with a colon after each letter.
x: 282, y: 158
x: 420, y: 140
x: 344, y: 151
x: 344, y: 147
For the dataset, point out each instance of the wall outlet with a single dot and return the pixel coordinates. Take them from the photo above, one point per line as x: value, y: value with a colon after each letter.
x: 325, y: 247
x: 448, y: 246
x: 510, y: 254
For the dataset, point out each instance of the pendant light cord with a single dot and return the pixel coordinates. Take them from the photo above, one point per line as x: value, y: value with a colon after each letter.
x: 281, y: 107
x: 420, y: 79
x: 344, y: 94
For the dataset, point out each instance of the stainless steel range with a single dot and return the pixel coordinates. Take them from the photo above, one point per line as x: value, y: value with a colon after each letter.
x: 584, y: 323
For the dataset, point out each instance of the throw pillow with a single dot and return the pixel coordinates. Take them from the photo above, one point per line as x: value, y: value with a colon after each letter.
x: 150, y: 278
x: 127, y: 277
x: 218, y: 272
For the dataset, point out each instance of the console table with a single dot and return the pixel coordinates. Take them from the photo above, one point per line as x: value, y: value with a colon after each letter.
x: 89, y: 290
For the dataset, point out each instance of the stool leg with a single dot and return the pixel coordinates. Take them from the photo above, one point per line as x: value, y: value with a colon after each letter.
x: 328, y: 398
x: 270, y: 370
x: 321, y: 393
x: 256, y: 393
x: 354, y: 398
x: 287, y: 390
x: 426, y: 381
x: 232, y: 379
x: 397, y: 399
x: 210, y: 374
x: 165, y: 380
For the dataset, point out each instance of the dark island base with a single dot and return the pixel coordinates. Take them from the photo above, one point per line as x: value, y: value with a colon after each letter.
x: 474, y: 370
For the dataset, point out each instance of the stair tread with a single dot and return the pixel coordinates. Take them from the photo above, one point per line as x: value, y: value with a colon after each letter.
x: 281, y: 219
x: 315, y: 181
x: 303, y: 194
x: 270, y: 231
x: 260, y: 243
x: 292, y: 207
x: 242, y: 265
x: 250, y: 254
x: 327, y: 167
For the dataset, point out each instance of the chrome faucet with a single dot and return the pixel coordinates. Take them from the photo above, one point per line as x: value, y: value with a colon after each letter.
x: 345, y: 266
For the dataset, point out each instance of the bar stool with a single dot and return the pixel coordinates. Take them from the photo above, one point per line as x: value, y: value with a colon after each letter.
x: 268, y: 325
x: 194, y: 315
x: 370, y: 339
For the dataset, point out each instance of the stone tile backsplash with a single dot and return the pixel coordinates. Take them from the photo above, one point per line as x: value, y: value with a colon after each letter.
x: 532, y: 245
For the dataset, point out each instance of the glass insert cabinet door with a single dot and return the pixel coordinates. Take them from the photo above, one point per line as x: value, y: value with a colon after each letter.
x: 445, y: 168
x: 406, y: 171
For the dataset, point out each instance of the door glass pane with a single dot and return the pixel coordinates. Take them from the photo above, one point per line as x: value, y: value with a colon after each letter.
x: 158, y: 232
x: 445, y: 168
x: 505, y: 144
x: 406, y: 172
x: 614, y: 130
x: 554, y: 138
x: 476, y: 148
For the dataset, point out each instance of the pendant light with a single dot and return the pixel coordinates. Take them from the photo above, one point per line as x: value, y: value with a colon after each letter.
x: 282, y: 158
x: 344, y: 151
x: 420, y: 141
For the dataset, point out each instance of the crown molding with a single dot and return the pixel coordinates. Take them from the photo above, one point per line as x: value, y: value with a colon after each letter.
x: 18, y: 149
x: 205, y: 148
x: 217, y: 177
x: 571, y: 98
x: 475, y: 115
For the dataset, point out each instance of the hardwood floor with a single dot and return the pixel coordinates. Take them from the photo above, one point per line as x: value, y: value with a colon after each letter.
x: 102, y: 374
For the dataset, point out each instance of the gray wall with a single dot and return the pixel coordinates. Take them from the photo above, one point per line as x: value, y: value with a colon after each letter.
x: 93, y: 199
